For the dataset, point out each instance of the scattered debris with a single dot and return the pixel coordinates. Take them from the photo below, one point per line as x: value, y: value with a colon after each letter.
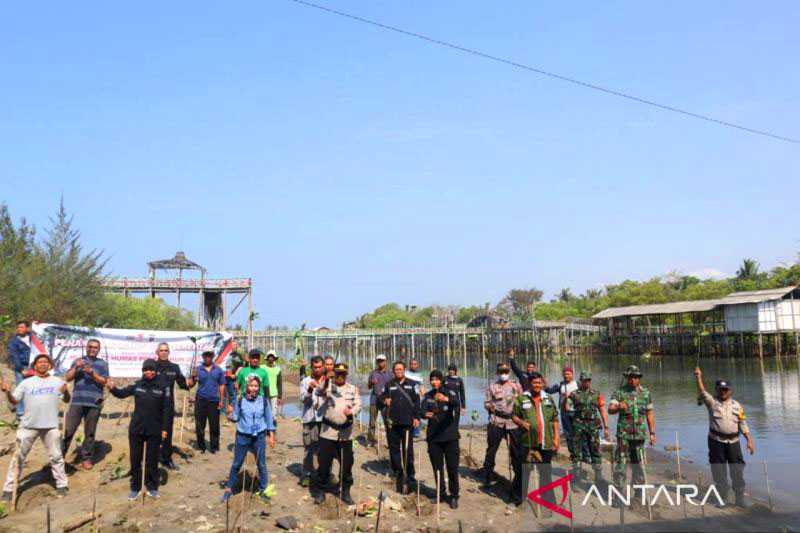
x: 286, y: 522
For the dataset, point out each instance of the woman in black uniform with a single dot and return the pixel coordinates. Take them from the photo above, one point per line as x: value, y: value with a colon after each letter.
x: 148, y: 427
x: 442, y: 408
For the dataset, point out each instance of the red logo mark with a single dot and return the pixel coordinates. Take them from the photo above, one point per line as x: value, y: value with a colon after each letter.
x: 535, y: 496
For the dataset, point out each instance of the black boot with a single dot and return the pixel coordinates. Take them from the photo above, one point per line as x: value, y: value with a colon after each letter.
x: 319, y: 497
x: 577, y: 473
x: 399, y: 484
x: 453, y: 502
x: 486, y: 478
x: 346, y: 495
x: 599, y: 481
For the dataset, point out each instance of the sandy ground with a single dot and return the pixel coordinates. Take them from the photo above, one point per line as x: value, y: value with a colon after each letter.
x: 190, y: 498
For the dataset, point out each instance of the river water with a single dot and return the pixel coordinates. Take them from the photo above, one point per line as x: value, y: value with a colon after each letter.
x: 768, y: 389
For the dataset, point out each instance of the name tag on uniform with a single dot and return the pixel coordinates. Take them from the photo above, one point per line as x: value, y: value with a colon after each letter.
x: 393, y: 388
x: 445, y: 408
x: 526, y: 405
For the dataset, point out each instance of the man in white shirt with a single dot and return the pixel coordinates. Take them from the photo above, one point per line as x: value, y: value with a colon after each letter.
x: 41, y: 393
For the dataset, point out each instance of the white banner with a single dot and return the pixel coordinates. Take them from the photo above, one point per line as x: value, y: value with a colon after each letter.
x: 126, y: 349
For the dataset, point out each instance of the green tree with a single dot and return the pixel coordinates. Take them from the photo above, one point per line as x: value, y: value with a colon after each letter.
x: 748, y: 269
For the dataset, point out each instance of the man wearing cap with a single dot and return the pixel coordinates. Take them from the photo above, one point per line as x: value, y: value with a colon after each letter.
x: 454, y: 383
x: 208, y: 402
x: 234, y: 362
x: 588, y: 408
x: 340, y: 404
x: 311, y: 417
x: 635, y: 423
x: 499, y: 402
x: 152, y: 412
x: 41, y: 393
x: 275, y: 381
x: 169, y: 373
x: 726, y: 421
x: 564, y: 389
x: 376, y: 382
x: 537, y: 417
x: 254, y: 367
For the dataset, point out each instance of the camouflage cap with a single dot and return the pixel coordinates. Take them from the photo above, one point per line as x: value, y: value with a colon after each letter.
x: 586, y: 375
x: 341, y: 368
x: 632, y: 370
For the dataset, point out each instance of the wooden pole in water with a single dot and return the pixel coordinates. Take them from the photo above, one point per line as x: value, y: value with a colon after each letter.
x: 700, y: 481
x: 678, y: 455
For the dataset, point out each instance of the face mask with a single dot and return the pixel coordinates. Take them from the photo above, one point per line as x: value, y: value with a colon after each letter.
x: 503, y: 377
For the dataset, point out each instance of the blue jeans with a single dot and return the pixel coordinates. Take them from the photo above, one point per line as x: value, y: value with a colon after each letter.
x: 257, y: 444
x: 18, y: 377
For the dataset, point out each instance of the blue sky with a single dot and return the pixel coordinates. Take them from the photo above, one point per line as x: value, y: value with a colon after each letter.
x: 342, y: 166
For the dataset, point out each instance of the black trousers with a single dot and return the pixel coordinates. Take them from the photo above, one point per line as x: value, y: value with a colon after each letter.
x: 495, y: 436
x: 166, y: 444
x: 206, y: 410
x: 726, y: 456
x: 328, y: 451
x: 137, y: 444
x: 544, y: 470
x: 75, y: 415
x: 398, y: 435
x: 442, y: 453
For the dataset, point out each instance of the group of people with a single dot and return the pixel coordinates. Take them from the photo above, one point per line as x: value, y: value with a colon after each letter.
x: 520, y: 412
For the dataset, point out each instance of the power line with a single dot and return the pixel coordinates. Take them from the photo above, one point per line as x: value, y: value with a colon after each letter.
x: 553, y: 75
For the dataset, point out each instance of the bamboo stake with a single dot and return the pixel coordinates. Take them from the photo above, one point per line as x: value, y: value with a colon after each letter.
x: 700, y: 481
x: 47, y: 518
x: 643, y: 459
x: 405, y: 462
x: 227, y: 515
x: 769, y: 489
x: 380, y: 506
x: 339, y: 499
x: 437, y: 498
x: 419, y: 509
x: 571, y: 519
x: 678, y: 455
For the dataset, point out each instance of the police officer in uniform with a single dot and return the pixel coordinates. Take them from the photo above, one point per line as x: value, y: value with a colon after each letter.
x: 588, y: 408
x: 636, y: 422
x: 340, y: 404
x: 403, y: 414
x: 168, y: 374
x: 453, y: 382
x: 726, y: 421
x: 500, y: 397
x: 537, y: 417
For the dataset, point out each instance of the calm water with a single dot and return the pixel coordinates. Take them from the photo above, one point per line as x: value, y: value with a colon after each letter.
x: 768, y: 390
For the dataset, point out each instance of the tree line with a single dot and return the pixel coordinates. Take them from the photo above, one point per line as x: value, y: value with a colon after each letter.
x: 525, y: 304
x: 52, y: 277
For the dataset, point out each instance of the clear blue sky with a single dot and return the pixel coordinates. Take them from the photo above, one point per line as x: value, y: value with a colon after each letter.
x: 342, y: 166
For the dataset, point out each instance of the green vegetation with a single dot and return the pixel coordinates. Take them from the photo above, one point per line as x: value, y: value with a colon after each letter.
x: 54, y: 279
x: 518, y: 304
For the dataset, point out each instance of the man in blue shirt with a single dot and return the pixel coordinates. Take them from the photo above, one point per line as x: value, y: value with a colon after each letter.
x: 19, y: 354
x: 208, y: 403
x: 90, y: 374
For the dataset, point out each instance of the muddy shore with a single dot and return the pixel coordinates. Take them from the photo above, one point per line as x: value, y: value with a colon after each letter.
x: 190, y: 498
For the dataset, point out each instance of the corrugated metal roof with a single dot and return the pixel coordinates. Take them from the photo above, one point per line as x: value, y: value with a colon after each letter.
x: 750, y: 297
x: 693, y: 306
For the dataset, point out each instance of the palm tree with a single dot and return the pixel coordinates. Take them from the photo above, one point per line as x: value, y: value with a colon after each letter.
x: 565, y: 295
x: 748, y: 270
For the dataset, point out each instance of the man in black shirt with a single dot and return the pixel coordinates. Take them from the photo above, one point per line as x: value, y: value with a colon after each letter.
x: 524, y: 378
x: 456, y: 384
x: 403, y: 412
x: 168, y: 374
x: 442, y: 406
x: 148, y: 427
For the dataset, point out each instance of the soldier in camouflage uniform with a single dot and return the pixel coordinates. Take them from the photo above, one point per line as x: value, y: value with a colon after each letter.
x: 588, y: 409
x: 636, y: 422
